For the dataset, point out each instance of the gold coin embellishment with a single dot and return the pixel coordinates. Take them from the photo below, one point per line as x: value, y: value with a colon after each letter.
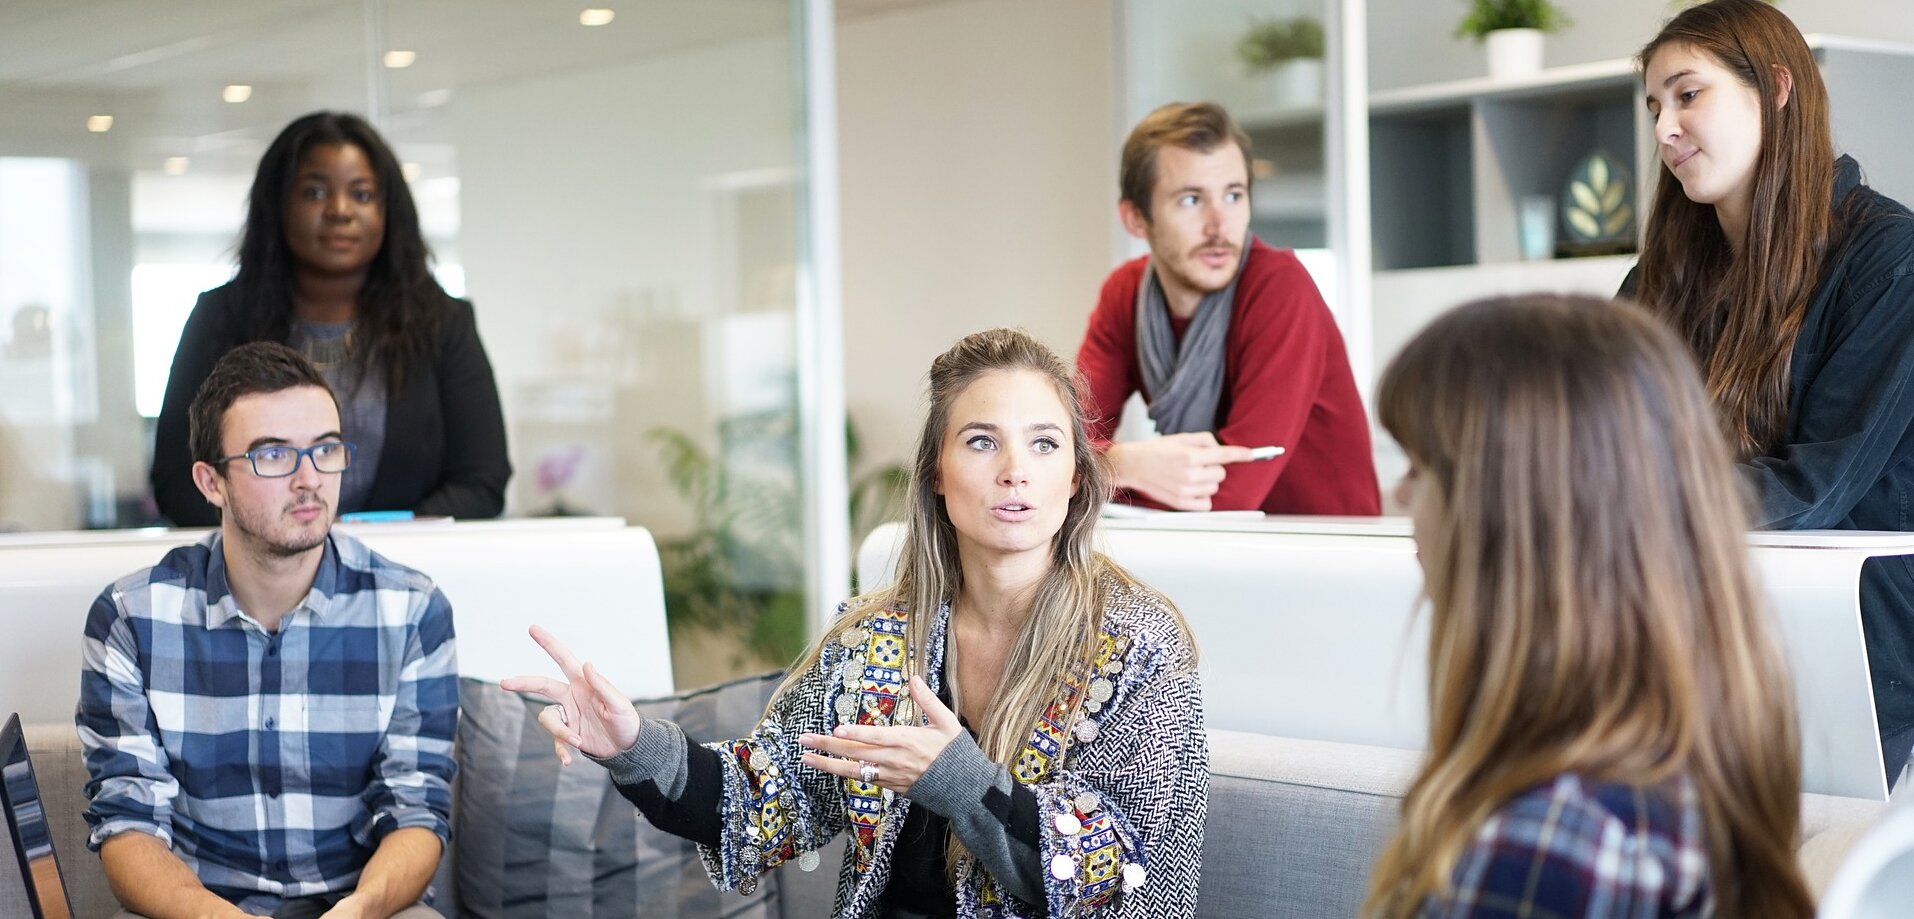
x: 748, y: 886
x: 1068, y: 824
x: 1134, y: 876
x: 1063, y: 867
x: 855, y: 638
x: 1092, y: 706
x: 1086, y: 803
x: 1086, y: 730
x: 846, y: 707
x: 1113, y: 666
x: 760, y: 760
x: 852, y: 671
x: 807, y: 860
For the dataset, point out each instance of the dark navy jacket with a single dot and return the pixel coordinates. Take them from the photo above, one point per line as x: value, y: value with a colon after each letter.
x: 1847, y: 459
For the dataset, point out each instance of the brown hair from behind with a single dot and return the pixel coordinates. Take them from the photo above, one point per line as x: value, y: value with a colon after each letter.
x: 1592, y: 610
x: 1198, y: 126
x: 256, y: 367
x: 1741, y: 309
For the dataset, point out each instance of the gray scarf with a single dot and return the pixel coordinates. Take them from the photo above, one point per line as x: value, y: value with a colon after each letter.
x: 1185, y: 383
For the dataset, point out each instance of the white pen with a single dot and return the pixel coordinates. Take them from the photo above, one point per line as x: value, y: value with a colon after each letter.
x: 1265, y: 453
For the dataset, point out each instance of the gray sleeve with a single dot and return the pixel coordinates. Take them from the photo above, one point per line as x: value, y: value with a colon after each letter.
x: 978, y: 797
x: 658, y: 756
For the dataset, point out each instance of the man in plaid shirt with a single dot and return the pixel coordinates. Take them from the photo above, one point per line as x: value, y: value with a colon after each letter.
x: 268, y: 714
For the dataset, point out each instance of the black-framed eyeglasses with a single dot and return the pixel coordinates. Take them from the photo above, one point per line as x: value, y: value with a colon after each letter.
x: 276, y: 461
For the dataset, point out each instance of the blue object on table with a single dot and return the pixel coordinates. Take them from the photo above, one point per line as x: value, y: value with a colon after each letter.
x: 374, y: 516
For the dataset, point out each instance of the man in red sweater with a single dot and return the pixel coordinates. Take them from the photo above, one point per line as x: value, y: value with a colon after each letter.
x: 1227, y: 339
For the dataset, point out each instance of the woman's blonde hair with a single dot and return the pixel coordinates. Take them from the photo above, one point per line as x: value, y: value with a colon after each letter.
x: 1066, y: 612
x: 1584, y: 546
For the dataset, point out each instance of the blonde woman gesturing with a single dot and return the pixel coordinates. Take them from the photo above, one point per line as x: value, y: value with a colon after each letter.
x: 1013, y: 729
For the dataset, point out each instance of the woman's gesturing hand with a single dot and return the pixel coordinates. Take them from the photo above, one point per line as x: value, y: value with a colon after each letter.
x: 590, y: 714
x: 898, y: 754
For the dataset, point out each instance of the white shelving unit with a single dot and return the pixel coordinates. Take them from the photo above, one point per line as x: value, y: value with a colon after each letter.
x: 1450, y: 161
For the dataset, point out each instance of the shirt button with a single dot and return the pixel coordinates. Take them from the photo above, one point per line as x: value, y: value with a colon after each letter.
x: 272, y: 651
x: 271, y: 723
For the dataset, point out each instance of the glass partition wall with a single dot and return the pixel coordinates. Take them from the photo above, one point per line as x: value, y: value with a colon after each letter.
x: 623, y: 192
x: 1293, y: 73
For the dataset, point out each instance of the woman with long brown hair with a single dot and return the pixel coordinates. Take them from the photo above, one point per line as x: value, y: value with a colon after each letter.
x: 1012, y: 728
x: 1611, y: 727
x: 1793, y: 284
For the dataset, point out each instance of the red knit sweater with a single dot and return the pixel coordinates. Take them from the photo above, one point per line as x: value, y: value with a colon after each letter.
x: 1286, y: 382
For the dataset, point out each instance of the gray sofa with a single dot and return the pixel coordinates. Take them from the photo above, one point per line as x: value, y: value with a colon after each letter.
x: 1292, y: 830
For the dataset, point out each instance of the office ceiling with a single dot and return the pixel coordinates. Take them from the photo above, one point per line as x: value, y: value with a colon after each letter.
x: 159, y: 67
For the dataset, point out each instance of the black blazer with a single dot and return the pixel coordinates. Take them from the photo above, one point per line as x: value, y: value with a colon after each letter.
x: 444, y: 448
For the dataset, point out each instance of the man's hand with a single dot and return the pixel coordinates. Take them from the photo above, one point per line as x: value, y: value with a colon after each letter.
x: 349, y: 908
x: 1179, y: 471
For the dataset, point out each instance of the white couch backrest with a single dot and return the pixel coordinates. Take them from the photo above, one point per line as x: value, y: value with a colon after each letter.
x: 1310, y: 628
x: 594, y: 582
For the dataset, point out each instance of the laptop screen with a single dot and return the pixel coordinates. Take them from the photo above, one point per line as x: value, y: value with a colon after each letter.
x: 27, y: 825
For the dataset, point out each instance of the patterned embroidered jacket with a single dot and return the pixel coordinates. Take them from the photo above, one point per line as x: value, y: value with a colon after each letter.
x: 1120, y: 761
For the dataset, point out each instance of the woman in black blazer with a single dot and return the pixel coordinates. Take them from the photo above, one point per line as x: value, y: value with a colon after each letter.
x: 332, y: 262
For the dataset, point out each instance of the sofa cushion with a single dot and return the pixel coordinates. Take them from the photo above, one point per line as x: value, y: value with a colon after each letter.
x: 1295, y: 824
x: 534, y: 839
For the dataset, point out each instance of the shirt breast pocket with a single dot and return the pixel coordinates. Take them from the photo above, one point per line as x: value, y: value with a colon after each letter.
x: 343, y: 735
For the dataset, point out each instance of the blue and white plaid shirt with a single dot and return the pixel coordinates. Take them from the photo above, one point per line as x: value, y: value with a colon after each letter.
x: 271, y: 762
x: 1574, y: 848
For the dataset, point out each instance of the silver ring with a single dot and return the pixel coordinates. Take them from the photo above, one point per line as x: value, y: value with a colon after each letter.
x: 867, y: 773
x: 562, y: 719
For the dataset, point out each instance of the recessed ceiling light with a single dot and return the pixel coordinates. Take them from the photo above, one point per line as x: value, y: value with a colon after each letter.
x: 176, y: 165
x: 595, y: 16
x: 433, y: 98
x: 399, y: 60
x: 99, y: 124
x: 410, y: 171
x: 236, y: 93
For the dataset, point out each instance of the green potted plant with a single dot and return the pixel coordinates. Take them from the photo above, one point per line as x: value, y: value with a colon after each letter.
x: 1288, y: 54
x: 1512, y: 31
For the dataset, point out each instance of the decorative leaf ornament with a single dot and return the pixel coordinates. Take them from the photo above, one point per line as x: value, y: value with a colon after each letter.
x: 1597, y: 206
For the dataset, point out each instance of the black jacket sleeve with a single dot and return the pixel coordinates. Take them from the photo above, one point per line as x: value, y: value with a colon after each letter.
x: 474, y: 468
x: 207, y: 335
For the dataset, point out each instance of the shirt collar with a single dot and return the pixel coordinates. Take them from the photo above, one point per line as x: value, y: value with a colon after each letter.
x: 220, y: 607
x: 1847, y: 175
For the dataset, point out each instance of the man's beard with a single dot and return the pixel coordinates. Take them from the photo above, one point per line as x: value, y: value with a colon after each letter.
x: 263, y: 536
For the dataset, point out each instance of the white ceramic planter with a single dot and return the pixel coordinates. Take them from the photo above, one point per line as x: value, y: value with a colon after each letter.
x: 1514, y: 52
x: 1297, y: 83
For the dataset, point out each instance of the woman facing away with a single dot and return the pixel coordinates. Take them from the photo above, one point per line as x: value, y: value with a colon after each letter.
x: 1611, y: 727
x: 1013, y: 728
x: 1793, y: 284
x: 333, y: 263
